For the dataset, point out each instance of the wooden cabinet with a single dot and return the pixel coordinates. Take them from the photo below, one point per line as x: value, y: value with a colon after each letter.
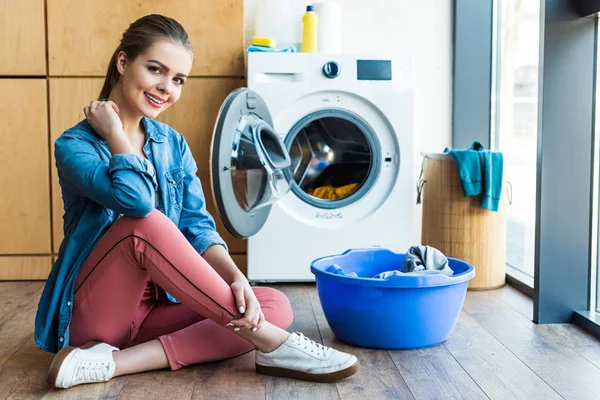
x: 25, y: 267
x: 24, y: 168
x: 68, y: 44
x: 83, y: 34
x: 193, y: 116
x: 22, y: 37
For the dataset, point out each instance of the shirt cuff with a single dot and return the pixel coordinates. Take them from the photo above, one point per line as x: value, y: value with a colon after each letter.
x: 132, y: 162
x: 207, y: 239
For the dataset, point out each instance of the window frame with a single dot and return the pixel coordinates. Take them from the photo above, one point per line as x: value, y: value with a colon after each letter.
x: 568, y: 60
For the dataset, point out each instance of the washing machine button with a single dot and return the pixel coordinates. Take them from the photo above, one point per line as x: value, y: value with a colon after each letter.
x: 331, y: 69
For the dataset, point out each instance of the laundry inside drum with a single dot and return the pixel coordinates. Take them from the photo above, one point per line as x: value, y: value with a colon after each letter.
x: 331, y: 158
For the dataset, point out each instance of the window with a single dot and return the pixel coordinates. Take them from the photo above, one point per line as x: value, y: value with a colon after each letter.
x: 595, y: 288
x: 514, y: 124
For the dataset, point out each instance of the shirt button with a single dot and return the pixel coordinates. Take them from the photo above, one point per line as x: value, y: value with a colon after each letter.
x: 62, y: 339
x: 69, y: 303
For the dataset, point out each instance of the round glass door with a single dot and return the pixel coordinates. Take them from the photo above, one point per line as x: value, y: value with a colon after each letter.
x: 335, y: 158
x: 247, y: 163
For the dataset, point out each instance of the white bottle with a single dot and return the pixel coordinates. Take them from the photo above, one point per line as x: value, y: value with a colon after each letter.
x: 280, y: 20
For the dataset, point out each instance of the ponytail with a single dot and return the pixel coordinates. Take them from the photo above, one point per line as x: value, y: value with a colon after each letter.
x: 112, y: 76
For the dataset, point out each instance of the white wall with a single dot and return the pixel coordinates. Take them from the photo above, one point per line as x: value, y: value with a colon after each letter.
x: 421, y: 28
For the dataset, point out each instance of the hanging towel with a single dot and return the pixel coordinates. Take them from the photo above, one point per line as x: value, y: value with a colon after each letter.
x: 480, y: 172
x: 421, y: 260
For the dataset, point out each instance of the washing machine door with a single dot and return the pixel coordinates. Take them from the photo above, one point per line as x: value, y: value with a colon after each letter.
x: 247, y: 163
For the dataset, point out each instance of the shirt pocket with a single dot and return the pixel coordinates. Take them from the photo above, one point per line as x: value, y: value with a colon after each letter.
x: 175, y: 184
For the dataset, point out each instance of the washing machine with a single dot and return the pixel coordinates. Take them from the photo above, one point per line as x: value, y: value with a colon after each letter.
x: 315, y: 157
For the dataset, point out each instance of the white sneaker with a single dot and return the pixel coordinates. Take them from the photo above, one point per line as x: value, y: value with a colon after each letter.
x: 301, y: 358
x: 90, y: 363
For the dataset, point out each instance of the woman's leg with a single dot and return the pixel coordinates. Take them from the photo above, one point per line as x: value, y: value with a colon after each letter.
x: 188, y: 338
x: 112, y: 286
x: 109, y: 305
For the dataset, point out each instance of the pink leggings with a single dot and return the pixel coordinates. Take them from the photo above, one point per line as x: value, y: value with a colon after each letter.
x: 118, y: 299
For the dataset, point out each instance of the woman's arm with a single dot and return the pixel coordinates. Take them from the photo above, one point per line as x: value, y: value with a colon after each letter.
x: 196, y: 224
x: 251, y: 316
x: 125, y: 184
x: 221, y: 261
x: 198, y: 227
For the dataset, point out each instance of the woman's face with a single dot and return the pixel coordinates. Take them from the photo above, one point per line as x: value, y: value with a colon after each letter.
x: 152, y: 82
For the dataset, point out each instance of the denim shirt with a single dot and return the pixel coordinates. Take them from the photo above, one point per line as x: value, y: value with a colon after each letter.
x: 97, y: 189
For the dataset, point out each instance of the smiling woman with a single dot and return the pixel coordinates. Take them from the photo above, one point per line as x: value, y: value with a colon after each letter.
x: 142, y: 267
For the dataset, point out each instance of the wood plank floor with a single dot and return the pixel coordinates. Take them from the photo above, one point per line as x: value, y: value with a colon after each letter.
x: 494, y: 352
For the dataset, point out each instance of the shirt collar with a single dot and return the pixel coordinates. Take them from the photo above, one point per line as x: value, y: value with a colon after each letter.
x: 152, y: 132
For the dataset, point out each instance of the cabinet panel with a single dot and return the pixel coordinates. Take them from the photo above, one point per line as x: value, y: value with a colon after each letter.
x: 24, y: 267
x: 193, y: 116
x: 241, y: 262
x: 83, y: 34
x: 23, y: 33
x: 25, y: 199
x: 67, y: 98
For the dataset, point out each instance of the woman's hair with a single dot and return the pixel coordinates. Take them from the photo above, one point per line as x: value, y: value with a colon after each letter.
x: 138, y: 38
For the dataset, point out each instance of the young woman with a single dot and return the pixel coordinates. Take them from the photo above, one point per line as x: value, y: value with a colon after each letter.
x: 142, y: 268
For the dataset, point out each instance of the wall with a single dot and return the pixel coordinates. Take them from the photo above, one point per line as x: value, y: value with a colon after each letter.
x: 422, y: 28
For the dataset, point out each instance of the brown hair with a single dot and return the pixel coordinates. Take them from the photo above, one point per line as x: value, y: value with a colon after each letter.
x: 138, y: 38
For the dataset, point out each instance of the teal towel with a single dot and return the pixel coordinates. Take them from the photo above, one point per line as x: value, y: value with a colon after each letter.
x: 480, y: 173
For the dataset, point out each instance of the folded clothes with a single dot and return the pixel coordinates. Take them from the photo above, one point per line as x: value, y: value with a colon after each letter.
x: 262, y: 49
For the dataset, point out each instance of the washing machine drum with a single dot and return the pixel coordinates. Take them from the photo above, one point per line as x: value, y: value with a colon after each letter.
x: 335, y: 158
x: 330, y: 158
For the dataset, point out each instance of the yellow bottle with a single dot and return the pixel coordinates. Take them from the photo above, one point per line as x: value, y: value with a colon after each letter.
x: 309, y: 33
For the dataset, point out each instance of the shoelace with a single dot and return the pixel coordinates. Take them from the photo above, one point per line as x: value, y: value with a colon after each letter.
x: 313, y: 346
x: 92, y: 371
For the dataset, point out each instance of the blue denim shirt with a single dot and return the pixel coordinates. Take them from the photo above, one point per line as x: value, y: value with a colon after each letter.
x: 97, y: 189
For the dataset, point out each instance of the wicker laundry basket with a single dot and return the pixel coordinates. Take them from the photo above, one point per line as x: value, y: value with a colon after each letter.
x: 458, y: 226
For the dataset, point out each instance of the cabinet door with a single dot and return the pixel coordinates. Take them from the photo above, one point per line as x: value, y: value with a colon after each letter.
x: 68, y: 96
x: 194, y: 117
x: 25, y: 199
x: 25, y: 267
x: 83, y: 34
x: 23, y: 38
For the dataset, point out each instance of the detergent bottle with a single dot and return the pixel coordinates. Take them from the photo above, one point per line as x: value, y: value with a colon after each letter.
x: 309, y: 32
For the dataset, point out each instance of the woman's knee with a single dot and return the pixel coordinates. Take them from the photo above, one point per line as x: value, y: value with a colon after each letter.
x: 152, y: 222
x: 275, y: 305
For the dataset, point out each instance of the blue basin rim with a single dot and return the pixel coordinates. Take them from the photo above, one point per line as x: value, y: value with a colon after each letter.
x: 405, y: 281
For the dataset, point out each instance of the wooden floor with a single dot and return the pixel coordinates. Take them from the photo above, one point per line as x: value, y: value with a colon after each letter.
x: 495, y: 352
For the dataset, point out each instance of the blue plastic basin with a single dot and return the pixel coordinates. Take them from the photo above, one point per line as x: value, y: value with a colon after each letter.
x: 401, y: 312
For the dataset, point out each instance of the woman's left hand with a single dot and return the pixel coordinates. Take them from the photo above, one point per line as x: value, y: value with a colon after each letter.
x: 248, y: 305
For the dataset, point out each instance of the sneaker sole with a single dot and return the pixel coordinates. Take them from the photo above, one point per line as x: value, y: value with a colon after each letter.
x: 307, y: 376
x: 60, y: 358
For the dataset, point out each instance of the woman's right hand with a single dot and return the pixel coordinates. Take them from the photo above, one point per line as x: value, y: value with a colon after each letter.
x: 103, y: 116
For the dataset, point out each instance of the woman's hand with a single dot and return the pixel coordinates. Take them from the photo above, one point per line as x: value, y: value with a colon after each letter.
x: 248, y: 306
x: 103, y: 116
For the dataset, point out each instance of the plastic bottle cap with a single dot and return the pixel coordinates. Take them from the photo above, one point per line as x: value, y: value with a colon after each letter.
x: 309, y: 8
